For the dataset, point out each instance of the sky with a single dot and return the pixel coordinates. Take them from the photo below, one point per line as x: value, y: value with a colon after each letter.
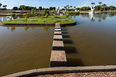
x: 54, y: 3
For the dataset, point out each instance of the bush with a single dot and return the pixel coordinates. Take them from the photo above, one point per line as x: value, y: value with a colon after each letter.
x: 72, y: 12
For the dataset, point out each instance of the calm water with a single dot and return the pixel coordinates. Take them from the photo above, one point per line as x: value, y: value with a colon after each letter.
x: 24, y: 48
x: 91, y: 42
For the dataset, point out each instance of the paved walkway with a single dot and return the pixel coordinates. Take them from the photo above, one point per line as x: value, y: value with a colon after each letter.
x: 86, y: 74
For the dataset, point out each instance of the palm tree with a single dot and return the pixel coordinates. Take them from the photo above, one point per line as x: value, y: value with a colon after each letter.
x: 93, y: 4
x: 100, y: 3
x: 74, y: 7
x: 4, y: 6
x: 68, y: 6
x: 0, y: 4
x: 71, y: 7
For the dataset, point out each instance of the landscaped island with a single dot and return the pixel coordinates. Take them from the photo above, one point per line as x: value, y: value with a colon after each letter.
x: 42, y: 20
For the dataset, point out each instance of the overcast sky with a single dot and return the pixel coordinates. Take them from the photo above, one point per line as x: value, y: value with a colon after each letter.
x: 56, y: 3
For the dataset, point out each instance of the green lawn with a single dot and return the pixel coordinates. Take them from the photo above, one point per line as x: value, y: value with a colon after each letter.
x: 42, y: 19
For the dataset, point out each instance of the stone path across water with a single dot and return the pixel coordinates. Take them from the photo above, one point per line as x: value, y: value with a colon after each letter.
x: 58, y: 56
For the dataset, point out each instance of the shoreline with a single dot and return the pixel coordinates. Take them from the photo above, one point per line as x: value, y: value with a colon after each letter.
x: 64, y: 70
x: 36, y: 24
x: 20, y: 13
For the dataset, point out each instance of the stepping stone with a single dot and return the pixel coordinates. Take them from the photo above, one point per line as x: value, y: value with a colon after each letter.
x: 58, y: 43
x: 58, y: 59
x: 57, y: 32
x: 58, y: 29
x: 58, y: 56
x: 57, y: 36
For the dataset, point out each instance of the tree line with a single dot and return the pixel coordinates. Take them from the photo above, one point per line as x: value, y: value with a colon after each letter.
x: 23, y: 7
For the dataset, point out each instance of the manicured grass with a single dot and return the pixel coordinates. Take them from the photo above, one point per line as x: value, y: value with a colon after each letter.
x: 42, y: 19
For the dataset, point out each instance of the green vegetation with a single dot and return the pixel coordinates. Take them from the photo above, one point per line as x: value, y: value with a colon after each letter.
x: 92, y: 3
x: 23, y: 7
x: 0, y: 4
x: 43, y: 19
x: 72, y: 12
x: 46, y: 12
x: 15, y: 8
x: 40, y: 8
x: 14, y: 16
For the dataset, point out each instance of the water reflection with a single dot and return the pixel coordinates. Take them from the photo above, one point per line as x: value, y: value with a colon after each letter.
x: 12, y: 28
x: 26, y: 28
x: 93, y: 40
x: 4, y: 18
x: 94, y: 17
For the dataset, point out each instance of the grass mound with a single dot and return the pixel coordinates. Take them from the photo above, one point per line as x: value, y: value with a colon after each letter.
x: 43, y: 20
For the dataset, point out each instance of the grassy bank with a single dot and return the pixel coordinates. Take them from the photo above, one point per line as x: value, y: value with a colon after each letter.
x: 42, y: 19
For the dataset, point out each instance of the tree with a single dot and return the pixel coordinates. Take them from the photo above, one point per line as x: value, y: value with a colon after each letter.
x: 14, y: 16
x: 74, y: 7
x: 40, y: 8
x: 4, y: 6
x: 52, y: 8
x: 93, y: 4
x: 46, y: 12
x: 15, y: 8
x: 33, y: 12
x: 26, y: 16
x: 104, y: 6
x: 70, y: 6
x: 97, y: 7
x: 77, y: 8
x: 100, y: 3
x: 23, y: 7
x: 67, y: 6
x: 0, y: 4
x: 112, y: 7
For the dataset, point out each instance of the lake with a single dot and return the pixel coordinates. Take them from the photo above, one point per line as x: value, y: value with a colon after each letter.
x: 91, y: 42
